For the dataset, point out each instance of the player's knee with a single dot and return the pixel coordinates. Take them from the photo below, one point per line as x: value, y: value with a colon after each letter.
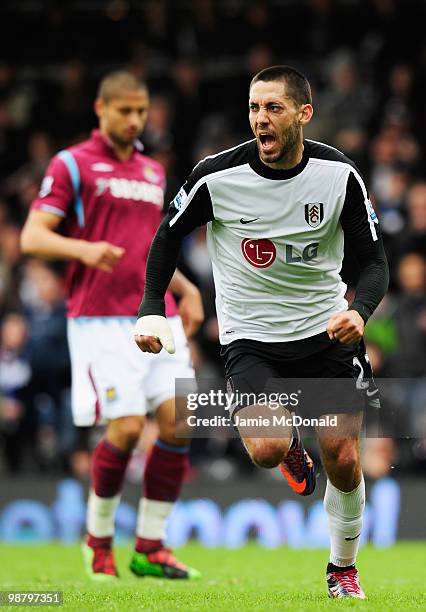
x: 170, y: 436
x: 267, y: 454
x: 130, y: 429
x: 348, y: 459
x: 173, y: 426
x: 167, y: 431
x: 344, y: 454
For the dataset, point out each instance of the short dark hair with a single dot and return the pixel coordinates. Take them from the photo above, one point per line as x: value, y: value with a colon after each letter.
x: 298, y: 86
x: 114, y: 83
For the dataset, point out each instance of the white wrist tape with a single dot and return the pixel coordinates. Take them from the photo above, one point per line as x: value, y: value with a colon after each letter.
x: 154, y: 325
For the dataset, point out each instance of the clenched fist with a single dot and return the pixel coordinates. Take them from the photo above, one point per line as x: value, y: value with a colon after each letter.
x: 347, y: 327
x: 101, y: 255
x: 152, y: 333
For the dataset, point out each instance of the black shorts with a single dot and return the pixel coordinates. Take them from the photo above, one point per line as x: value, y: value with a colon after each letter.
x: 340, y: 375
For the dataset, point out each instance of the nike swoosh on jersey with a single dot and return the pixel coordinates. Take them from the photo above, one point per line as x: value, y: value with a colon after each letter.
x: 245, y: 221
x: 371, y: 393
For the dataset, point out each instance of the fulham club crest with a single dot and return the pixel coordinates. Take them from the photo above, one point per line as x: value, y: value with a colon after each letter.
x: 314, y: 213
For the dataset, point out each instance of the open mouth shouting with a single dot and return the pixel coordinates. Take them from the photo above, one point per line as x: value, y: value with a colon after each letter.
x: 267, y: 142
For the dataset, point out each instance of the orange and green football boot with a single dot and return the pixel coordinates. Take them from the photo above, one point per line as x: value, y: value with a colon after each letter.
x: 298, y: 468
x: 162, y: 564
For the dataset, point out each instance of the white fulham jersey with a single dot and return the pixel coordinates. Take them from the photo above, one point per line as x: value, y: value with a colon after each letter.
x: 276, y: 237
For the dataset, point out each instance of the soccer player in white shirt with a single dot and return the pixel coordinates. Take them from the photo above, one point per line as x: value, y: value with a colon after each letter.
x: 278, y: 210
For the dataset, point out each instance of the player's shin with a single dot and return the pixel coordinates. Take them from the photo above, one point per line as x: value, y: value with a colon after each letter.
x: 100, y: 519
x: 164, y: 475
x: 345, y: 512
x: 108, y: 471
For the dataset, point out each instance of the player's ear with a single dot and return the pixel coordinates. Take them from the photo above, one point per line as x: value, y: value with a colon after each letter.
x: 306, y: 113
x: 98, y: 107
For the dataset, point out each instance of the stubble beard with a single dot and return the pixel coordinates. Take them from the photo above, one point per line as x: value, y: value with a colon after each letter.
x: 122, y: 141
x: 287, y: 150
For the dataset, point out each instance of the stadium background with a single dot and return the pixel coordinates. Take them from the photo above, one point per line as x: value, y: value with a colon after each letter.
x: 197, y: 58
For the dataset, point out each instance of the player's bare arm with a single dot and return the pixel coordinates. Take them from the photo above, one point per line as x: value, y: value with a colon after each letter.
x: 102, y: 255
x: 40, y: 238
x: 190, y: 305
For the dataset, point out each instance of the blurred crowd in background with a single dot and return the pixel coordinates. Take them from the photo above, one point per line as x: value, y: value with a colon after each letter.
x: 197, y: 58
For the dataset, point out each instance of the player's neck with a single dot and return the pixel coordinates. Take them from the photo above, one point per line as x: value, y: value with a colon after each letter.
x: 123, y: 152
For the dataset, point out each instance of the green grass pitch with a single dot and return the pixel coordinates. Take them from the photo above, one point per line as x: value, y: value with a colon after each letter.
x: 250, y: 578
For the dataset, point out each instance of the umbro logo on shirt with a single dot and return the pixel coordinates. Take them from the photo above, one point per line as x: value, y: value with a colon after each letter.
x: 102, y: 167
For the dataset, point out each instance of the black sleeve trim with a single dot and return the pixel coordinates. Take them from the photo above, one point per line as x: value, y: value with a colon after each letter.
x: 197, y: 212
x: 357, y: 222
x: 164, y: 252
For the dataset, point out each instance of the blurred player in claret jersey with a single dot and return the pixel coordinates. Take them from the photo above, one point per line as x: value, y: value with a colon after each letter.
x: 109, y: 197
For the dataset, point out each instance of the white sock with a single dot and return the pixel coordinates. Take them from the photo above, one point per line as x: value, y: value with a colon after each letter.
x: 345, y: 512
x: 101, y: 514
x: 152, y: 518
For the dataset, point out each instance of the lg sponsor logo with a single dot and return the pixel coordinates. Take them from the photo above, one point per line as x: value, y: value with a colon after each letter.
x: 262, y: 253
x: 259, y: 253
